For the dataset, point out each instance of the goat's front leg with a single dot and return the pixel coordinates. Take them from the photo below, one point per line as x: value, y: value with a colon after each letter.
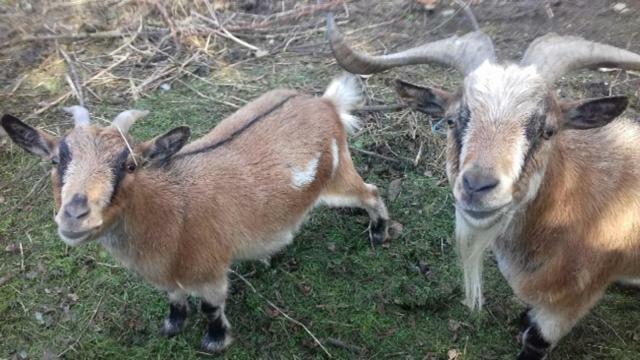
x: 543, y: 328
x: 178, y: 310
x: 217, y: 336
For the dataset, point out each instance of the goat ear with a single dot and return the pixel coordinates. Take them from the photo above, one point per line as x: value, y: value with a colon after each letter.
x: 164, y: 146
x: 593, y: 113
x: 424, y: 99
x: 33, y: 140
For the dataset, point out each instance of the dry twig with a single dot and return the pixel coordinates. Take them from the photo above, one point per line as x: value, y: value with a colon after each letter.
x: 315, y: 339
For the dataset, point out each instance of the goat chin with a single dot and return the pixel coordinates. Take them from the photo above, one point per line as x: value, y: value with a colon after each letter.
x: 472, y: 243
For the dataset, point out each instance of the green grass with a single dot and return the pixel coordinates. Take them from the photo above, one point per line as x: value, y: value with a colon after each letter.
x: 330, y: 279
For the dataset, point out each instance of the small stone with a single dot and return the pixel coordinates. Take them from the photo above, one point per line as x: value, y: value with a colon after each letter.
x: 620, y: 8
x: 39, y: 318
x: 448, y: 12
x: 165, y: 87
x: 331, y: 247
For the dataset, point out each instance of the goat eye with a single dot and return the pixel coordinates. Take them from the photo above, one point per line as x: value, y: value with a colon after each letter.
x: 450, y: 121
x: 547, y: 133
x: 131, y: 167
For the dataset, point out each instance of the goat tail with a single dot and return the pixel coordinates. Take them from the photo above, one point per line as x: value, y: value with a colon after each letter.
x: 346, y: 94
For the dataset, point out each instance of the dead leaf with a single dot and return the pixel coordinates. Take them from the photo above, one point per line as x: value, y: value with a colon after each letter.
x: 454, y: 325
x: 5, y: 278
x: 49, y: 355
x: 73, y: 297
x: 453, y: 354
x: 430, y: 356
x: 428, y: 4
x: 261, y: 53
x: 424, y: 268
x: 394, y: 189
x: 395, y: 230
x: 12, y: 248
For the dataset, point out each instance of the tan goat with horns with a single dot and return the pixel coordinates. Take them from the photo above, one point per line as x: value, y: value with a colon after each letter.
x: 552, y: 187
x: 178, y: 214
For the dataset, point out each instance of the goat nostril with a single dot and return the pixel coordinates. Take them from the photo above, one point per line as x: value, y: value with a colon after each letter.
x: 77, y: 208
x: 476, y: 183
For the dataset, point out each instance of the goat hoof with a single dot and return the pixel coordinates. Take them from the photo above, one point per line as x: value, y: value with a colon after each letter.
x: 215, y: 344
x: 171, y: 328
x: 378, y: 231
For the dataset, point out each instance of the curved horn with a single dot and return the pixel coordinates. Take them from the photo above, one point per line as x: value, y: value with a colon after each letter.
x: 125, y: 119
x: 464, y: 53
x: 555, y: 55
x: 80, y: 115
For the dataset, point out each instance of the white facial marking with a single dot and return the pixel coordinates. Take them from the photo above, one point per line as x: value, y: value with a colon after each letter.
x: 498, y: 96
x: 304, y: 177
x: 335, y: 156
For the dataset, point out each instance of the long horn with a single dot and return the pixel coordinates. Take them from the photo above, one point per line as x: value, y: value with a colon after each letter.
x: 80, y: 115
x: 555, y: 55
x: 125, y: 119
x: 464, y: 53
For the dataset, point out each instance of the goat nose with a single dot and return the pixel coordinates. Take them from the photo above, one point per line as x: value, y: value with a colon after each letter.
x: 77, y: 208
x: 475, y: 182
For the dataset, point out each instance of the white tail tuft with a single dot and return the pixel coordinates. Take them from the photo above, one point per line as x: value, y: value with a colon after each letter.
x: 345, y: 93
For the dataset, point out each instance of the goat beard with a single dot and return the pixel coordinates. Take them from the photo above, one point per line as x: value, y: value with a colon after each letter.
x: 472, y: 243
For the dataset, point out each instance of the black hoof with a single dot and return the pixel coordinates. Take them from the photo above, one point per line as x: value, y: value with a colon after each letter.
x: 175, y: 321
x: 215, y: 344
x: 378, y: 231
x: 523, y: 321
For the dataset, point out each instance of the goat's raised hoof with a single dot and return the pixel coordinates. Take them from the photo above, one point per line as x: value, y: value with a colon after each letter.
x: 378, y: 231
x: 175, y: 321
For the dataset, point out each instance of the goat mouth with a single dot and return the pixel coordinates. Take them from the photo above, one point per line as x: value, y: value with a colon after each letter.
x: 482, y: 214
x: 75, y: 237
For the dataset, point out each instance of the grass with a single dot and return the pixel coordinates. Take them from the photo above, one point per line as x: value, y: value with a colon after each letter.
x: 401, y: 301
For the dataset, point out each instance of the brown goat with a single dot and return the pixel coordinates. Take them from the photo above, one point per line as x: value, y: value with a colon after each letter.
x: 552, y: 190
x: 180, y: 214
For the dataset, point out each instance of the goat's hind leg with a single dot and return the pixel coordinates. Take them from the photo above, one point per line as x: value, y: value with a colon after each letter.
x: 178, y: 310
x: 349, y: 190
x: 216, y: 337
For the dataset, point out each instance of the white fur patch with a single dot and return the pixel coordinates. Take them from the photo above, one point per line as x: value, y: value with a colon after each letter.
x: 304, y: 177
x: 345, y: 93
x: 339, y: 201
x: 335, y: 156
x: 498, y: 95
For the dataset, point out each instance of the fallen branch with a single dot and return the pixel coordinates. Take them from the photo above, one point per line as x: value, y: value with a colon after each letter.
x: 315, y: 339
x: 391, y: 107
x: 84, y: 329
x: 341, y: 344
x: 371, y: 153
